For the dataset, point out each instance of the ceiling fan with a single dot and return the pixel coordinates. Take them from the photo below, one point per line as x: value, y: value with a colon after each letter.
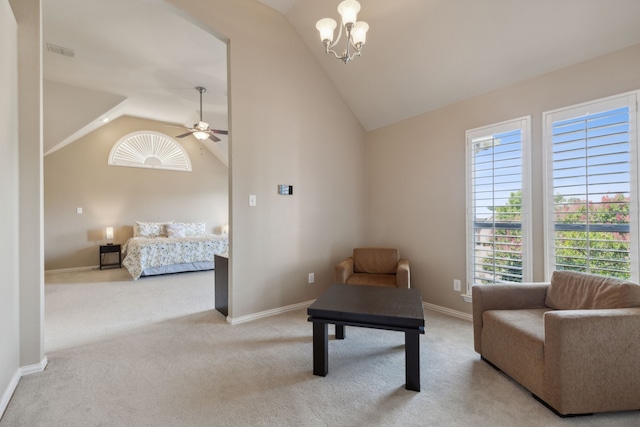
x: 201, y: 129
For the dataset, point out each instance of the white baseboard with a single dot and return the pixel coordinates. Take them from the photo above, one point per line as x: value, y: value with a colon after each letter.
x: 444, y: 310
x: 71, y: 270
x: 15, y: 379
x: 6, y: 396
x: 267, y: 313
x: 275, y: 311
x: 35, y: 368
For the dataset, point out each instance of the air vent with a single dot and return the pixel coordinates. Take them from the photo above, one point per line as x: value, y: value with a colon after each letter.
x: 60, y: 50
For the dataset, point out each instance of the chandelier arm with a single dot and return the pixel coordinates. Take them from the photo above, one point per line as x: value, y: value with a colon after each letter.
x: 347, y: 53
x: 334, y: 53
x: 347, y: 56
x: 338, y: 39
x: 353, y: 45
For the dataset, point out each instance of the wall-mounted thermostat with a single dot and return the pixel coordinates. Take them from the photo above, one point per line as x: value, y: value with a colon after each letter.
x: 285, y: 190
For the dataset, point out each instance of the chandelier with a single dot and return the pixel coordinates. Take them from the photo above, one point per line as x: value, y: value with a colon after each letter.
x: 356, y: 32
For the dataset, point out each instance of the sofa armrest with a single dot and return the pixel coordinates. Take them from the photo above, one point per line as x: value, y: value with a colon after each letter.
x: 591, y: 359
x: 403, y: 274
x: 503, y: 297
x: 344, y: 269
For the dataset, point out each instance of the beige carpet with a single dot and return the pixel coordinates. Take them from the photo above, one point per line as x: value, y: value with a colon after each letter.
x: 155, y: 353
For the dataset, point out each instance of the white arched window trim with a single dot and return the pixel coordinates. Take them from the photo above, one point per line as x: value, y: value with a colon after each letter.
x: 151, y: 150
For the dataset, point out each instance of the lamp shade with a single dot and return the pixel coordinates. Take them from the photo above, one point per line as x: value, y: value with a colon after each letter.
x: 359, y: 33
x: 349, y: 9
x: 325, y: 27
x: 109, y: 233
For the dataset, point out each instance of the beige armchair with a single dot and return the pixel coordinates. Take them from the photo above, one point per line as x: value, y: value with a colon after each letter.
x: 574, y: 343
x: 375, y: 267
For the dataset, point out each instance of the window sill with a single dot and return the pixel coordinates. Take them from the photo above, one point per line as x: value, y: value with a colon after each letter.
x: 466, y: 298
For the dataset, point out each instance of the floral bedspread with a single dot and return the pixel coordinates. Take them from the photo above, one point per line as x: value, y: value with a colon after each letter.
x: 143, y: 252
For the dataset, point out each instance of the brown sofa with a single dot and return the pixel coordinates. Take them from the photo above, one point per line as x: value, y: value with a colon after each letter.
x: 375, y: 267
x: 573, y: 343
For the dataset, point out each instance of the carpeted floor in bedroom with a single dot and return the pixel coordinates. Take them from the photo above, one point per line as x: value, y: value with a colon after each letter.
x: 154, y: 352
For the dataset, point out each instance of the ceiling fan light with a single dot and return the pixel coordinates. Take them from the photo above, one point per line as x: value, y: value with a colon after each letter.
x: 201, y: 135
x: 349, y: 9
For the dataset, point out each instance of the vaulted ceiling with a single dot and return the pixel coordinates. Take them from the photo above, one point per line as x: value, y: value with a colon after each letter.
x: 141, y: 58
x: 144, y: 58
x: 424, y: 54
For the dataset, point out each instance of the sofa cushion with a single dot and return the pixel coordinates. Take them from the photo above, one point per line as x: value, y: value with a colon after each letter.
x: 372, y: 279
x: 375, y: 260
x: 513, y: 340
x: 525, y: 326
x: 571, y: 290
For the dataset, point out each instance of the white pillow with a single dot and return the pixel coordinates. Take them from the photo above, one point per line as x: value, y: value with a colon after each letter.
x: 176, y: 230
x: 194, y: 228
x: 150, y: 229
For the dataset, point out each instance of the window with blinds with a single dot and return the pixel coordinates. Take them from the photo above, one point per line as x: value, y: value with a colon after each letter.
x: 498, y: 203
x: 591, y: 157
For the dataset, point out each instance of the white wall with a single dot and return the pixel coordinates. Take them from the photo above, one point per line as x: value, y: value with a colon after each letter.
x: 29, y: 18
x: 417, y: 168
x: 288, y: 125
x: 9, y: 285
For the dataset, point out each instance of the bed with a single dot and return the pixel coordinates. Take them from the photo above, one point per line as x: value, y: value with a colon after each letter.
x: 168, y: 247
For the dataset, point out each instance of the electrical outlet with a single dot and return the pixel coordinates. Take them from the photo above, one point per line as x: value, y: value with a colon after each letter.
x: 456, y: 285
x: 312, y: 278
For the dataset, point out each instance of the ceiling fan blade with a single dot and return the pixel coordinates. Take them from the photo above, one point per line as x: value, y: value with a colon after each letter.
x: 184, y: 134
x: 213, y: 137
x: 220, y: 132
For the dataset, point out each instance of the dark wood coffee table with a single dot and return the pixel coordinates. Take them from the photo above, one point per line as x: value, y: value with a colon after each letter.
x: 369, y: 307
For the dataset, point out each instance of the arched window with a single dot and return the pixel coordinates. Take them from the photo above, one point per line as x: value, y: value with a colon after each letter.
x: 148, y: 149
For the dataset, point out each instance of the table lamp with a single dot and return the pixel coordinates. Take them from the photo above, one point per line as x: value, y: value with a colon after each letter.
x: 109, y: 234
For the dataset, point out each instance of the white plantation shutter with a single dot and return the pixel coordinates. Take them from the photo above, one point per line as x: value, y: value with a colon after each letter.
x: 592, y: 192
x: 498, y: 243
x: 148, y: 149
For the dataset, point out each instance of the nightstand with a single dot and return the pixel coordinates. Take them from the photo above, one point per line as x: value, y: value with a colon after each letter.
x: 108, y: 249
